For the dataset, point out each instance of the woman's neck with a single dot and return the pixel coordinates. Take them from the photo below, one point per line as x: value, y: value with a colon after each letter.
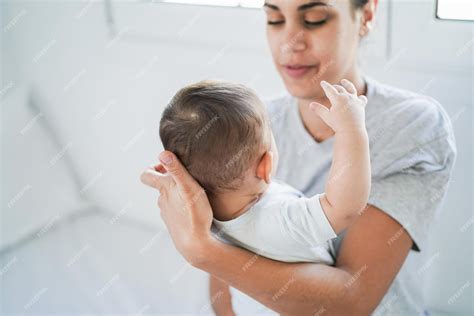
x: 315, y: 126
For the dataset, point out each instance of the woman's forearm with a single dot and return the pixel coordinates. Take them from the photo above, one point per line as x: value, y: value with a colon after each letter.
x: 366, y: 265
x: 287, y: 288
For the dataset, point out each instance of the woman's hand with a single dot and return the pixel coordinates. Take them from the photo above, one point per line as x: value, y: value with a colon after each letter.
x: 184, y: 206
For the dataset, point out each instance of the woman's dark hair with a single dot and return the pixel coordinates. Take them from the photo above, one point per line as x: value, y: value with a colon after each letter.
x: 357, y: 4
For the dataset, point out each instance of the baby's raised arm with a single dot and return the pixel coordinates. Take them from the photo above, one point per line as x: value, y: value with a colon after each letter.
x: 348, y: 186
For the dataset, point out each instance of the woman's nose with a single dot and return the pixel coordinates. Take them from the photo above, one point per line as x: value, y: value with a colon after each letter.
x: 295, y: 41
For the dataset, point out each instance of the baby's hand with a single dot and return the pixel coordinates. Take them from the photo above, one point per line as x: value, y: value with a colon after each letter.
x: 347, y: 112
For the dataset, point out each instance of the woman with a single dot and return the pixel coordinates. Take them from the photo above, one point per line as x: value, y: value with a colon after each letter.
x: 412, y: 154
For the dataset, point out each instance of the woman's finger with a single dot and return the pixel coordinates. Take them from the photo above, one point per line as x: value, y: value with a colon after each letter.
x: 156, y: 180
x: 349, y: 86
x: 160, y: 168
x: 184, y: 181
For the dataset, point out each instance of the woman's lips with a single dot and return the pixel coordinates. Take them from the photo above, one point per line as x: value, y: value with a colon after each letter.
x: 297, y: 71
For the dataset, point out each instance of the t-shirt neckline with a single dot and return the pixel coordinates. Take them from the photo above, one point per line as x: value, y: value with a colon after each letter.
x: 304, y: 134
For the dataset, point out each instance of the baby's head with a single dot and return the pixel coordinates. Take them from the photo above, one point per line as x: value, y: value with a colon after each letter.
x: 221, y: 133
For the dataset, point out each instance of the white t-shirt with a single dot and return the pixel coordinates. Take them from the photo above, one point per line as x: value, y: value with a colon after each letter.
x: 412, y: 150
x: 283, y: 225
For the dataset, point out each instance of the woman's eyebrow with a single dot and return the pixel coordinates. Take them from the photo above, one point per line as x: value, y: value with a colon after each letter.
x: 302, y: 7
x: 310, y: 5
x: 271, y: 6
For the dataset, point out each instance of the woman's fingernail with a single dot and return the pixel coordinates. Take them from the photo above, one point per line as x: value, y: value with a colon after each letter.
x: 167, y: 159
x: 312, y: 106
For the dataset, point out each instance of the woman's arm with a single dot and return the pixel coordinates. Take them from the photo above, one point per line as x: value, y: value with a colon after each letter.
x: 366, y: 265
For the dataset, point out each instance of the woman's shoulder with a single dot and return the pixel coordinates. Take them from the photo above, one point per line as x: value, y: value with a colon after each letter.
x: 404, y: 110
x: 405, y: 126
x: 386, y: 101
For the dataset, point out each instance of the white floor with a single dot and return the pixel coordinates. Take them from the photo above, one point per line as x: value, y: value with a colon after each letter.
x: 93, y: 264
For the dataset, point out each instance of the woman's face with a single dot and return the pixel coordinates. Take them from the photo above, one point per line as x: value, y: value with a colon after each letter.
x: 312, y: 41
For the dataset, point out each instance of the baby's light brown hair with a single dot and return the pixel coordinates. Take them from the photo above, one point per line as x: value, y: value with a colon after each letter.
x: 218, y: 130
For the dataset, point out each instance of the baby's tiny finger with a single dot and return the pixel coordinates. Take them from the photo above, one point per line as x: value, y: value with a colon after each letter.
x: 349, y: 86
x: 363, y: 98
x: 320, y: 110
x: 339, y: 88
x: 329, y: 89
x: 314, y: 106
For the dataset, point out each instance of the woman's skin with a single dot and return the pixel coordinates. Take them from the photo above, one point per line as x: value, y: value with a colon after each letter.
x: 366, y: 263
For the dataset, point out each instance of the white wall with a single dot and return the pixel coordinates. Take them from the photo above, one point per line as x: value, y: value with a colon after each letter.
x: 167, y: 46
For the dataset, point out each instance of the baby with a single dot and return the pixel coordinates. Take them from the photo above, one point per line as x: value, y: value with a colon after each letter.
x: 221, y: 133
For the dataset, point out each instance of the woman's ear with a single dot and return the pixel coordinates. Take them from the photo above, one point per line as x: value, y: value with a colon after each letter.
x: 368, y: 17
x: 265, y: 167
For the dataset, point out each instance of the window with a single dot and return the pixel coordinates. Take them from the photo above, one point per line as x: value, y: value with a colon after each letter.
x: 455, y: 10
x: 222, y: 3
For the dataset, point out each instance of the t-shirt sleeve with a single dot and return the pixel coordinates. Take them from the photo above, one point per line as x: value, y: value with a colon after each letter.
x: 414, y: 166
x: 220, y: 235
x: 304, y: 221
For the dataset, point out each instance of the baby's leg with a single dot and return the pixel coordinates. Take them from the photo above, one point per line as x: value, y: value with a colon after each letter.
x: 221, y: 299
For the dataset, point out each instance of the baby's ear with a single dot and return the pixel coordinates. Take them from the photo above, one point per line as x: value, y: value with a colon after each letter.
x: 265, y: 166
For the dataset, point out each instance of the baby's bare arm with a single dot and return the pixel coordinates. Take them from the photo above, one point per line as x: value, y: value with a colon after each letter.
x: 348, y: 186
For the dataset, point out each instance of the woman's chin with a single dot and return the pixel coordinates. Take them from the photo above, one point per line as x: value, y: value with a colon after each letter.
x: 303, y: 90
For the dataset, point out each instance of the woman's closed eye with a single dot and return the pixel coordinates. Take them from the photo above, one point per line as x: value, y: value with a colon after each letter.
x: 310, y: 16
x: 311, y: 19
x: 275, y: 19
x: 307, y: 23
x: 315, y: 23
x: 275, y: 22
x: 316, y: 17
